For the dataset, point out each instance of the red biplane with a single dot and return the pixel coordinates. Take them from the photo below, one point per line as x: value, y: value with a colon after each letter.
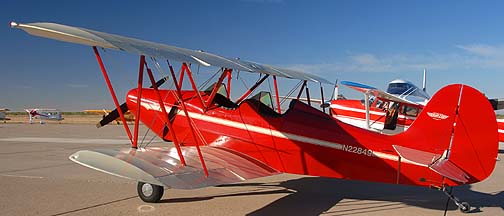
x: 218, y: 140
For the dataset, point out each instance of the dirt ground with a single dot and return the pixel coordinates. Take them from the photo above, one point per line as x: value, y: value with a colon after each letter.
x: 68, y: 119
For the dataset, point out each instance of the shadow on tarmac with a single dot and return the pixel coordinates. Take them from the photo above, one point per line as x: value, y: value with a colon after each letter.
x: 317, y: 195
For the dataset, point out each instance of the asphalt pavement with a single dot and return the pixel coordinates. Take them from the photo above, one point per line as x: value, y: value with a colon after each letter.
x: 37, y: 178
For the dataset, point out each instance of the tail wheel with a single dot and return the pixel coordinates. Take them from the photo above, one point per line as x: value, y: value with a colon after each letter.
x: 465, y: 207
x: 150, y: 193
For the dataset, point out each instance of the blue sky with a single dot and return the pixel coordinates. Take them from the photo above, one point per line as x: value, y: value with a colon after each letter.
x: 371, y: 42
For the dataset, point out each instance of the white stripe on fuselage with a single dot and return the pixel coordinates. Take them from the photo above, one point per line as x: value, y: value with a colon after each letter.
x: 376, y: 125
x: 150, y: 105
x: 340, y: 107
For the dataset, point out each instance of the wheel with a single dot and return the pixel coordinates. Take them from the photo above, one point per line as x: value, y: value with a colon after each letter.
x: 465, y: 207
x: 150, y: 193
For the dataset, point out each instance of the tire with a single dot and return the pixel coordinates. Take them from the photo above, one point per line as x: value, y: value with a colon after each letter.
x: 150, y: 193
x: 465, y: 207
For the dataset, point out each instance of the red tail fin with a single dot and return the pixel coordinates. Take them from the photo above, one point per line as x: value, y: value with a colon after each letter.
x: 458, y: 122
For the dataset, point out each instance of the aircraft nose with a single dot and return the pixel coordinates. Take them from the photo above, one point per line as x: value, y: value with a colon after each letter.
x: 150, y: 98
x: 132, y: 95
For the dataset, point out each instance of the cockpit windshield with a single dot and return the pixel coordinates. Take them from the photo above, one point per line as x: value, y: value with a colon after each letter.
x: 398, y: 88
x: 264, y: 104
x: 222, y: 89
x: 265, y: 98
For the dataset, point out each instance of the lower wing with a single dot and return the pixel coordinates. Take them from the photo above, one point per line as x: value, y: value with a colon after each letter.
x: 161, y: 166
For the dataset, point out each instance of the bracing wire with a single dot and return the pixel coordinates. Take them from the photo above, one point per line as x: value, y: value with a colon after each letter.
x: 243, y: 82
x: 160, y: 70
x: 190, y: 119
x: 116, y: 64
x: 202, y: 86
x: 269, y: 85
x: 291, y: 92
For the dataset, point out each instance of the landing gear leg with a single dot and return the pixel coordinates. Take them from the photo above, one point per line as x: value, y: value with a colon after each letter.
x: 463, y: 206
x: 150, y: 193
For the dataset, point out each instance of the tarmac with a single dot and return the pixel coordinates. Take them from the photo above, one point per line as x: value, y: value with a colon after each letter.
x: 37, y: 178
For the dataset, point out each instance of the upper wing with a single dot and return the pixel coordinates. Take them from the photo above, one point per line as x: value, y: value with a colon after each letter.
x: 157, y: 50
x: 376, y: 92
x: 161, y: 166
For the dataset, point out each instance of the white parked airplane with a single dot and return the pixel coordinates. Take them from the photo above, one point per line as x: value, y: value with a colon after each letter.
x: 391, y: 111
x: 44, y: 114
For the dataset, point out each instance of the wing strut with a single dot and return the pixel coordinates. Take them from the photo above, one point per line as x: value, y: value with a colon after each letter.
x: 305, y: 87
x: 216, y: 87
x: 165, y: 116
x: 134, y: 139
x: 182, y: 103
x: 228, y: 85
x: 301, y: 90
x: 322, y: 97
x: 366, y: 102
x: 251, y: 89
x: 139, y: 100
x: 186, y: 69
x: 308, y: 95
x: 276, y: 94
x: 112, y: 93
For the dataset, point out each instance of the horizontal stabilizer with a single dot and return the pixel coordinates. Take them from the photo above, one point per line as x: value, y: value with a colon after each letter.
x: 161, y: 166
x: 418, y: 157
x: 449, y: 170
x: 443, y: 167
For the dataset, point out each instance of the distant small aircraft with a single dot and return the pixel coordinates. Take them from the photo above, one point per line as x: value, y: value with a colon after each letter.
x: 2, y: 114
x: 44, y: 114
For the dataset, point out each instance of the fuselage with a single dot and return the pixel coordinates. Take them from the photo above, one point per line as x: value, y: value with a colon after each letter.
x: 303, y: 140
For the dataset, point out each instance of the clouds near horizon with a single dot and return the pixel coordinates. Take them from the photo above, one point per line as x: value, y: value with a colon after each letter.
x: 463, y: 57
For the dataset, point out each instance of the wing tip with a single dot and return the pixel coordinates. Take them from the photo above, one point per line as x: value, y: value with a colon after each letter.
x: 13, y: 24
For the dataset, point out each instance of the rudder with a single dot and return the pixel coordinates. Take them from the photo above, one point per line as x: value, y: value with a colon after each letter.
x: 458, y: 123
